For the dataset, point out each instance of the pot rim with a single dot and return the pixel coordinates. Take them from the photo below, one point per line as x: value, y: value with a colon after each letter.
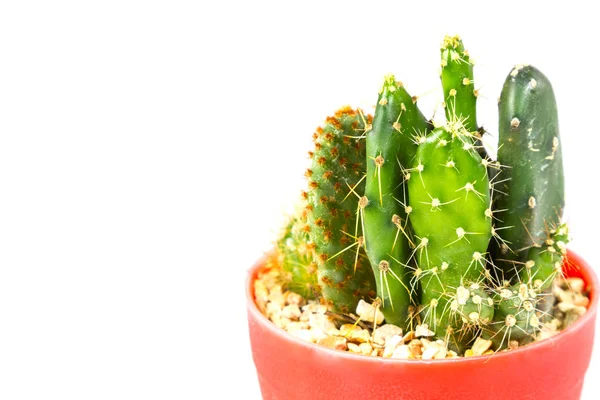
x: 573, y: 259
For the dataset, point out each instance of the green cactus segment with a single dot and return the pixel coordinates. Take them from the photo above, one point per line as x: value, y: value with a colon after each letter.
x: 545, y: 262
x: 295, y: 255
x: 460, y: 95
x: 451, y: 219
x: 530, y: 189
x: 336, y: 174
x: 474, y: 309
x: 516, y: 317
x: 391, y: 145
x: 522, y: 307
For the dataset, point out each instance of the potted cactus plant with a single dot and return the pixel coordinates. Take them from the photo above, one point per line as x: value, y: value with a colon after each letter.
x: 410, y: 221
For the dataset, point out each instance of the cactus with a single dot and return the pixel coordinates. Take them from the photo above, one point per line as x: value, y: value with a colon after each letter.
x: 335, y: 175
x: 391, y: 144
x: 414, y: 211
x: 448, y: 193
x: 522, y: 306
x: 530, y: 188
x: 460, y: 95
x: 295, y: 255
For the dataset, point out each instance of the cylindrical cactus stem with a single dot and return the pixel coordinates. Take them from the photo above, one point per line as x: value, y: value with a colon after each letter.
x: 334, y: 179
x: 522, y: 307
x: 516, y: 317
x: 472, y: 306
x: 448, y: 193
x: 460, y: 95
x: 296, y: 257
x: 545, y: 262
x: 531, y: 187
x: 391, y: 144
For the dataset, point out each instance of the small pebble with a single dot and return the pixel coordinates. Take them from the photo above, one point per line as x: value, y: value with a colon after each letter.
x: 481, y: 346
x: 291, y: 311
x: 402, y: 352
x: 576, y: 284
x: 322, y: 322
x: 384, y: 332
x: 366, y: 349
x: 303, y: 334
x: 423, y: 330
x: 368, y: 313
x: 391, y: 344
x: 354, y: 348
x: 294, y: 298
x: 416, y: 348
x: 333, y: 342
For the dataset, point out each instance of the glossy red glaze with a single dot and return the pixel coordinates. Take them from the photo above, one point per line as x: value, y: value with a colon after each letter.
x: 290, y: 369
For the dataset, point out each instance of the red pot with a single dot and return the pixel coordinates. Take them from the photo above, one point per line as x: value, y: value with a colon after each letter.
x: 289, y: 368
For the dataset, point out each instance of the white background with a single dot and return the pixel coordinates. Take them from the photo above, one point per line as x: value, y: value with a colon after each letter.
x: 148, y: 151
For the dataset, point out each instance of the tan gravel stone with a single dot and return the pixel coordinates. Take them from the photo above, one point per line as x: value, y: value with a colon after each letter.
x: 481, y: 346
x: 402, y: 352
x: 576, y: 284
x: 391, y: 344
x: 333, y: 342
x: 354, y: 348
x: 384, y: 332
x: 276, y: 295
x: 423, y: 331
x: 355, y: 334
x: 368, y: 313
x: 303, y: 334
x: 296, y: 325
x: 315, y: 308
x: 410, y: 335
x: 294, y: 298
x: 416, y: 348
x: 322, y: 322
x: 291, y: 311
x: 366, y: 349
x: 430, y: 350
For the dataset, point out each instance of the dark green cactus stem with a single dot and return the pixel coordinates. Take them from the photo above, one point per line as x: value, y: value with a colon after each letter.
x: 460, y: 95
x: 335, y: 176
x: 449, y: 197
x: 521, y: 308
x: 391, y: 145
x: 531, y: 187
x: 295, y: 255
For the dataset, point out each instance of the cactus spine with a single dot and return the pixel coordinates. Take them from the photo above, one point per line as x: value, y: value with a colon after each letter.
x: 391, y: 144
x: 337, y: 169
x: 531, y: 187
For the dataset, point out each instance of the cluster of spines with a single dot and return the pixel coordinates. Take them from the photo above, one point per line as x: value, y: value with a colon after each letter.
x: 335, y: 176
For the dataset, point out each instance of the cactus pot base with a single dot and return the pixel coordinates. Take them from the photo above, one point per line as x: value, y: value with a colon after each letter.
x: 289, y: 368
